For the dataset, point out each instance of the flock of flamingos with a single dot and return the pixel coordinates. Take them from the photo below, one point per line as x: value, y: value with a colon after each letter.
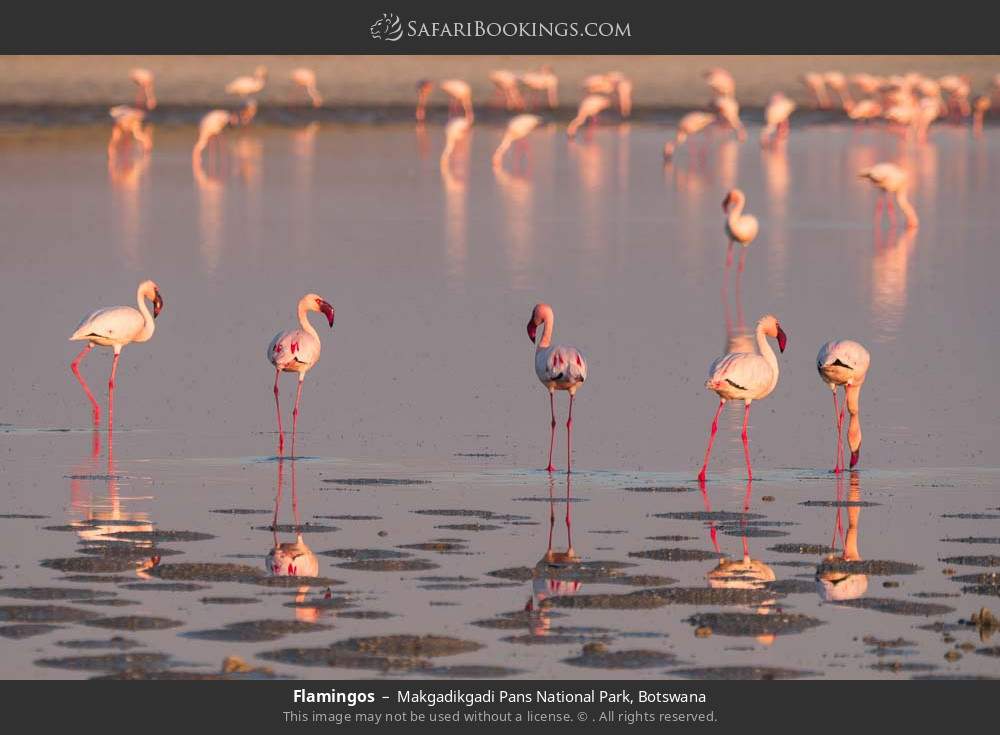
x: 749, y: 371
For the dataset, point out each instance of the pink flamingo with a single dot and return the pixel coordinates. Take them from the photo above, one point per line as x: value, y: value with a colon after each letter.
x: 248, y: 88
x: 544, y: 83
x: 892, y: 179
x: 306, y: 78
x: 455, y: 131
x: 745, y: 376
x: 143, y: 79
x: 558, y: 368
x: 459, y: 96
x: 211, y: 125
x: 506, y: 86
x: 816, y: 85
x: 845, y: 362
x: 128, y: 121
x: 728, y: 109
x: 590, y: 107
x: 690, y: 124
x: 519, y: 128
x: 779, y: 109
x: 721, y: 82
x: 116, y: 327
x: 297, y: 351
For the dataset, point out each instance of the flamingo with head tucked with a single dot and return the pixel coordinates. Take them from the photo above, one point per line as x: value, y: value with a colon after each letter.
x: 845, y: 362
x: 297, y: 351
x: 558, y: 368
x: 116, y: 327
x: 891, y: 179
x: 745, y: 376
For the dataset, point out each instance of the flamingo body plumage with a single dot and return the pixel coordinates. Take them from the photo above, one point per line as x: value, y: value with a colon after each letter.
x: 845, y: 363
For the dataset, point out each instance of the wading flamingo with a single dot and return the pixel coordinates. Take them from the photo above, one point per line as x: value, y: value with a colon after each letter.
x: 115, y: 327
x: 211, y: 125
x: 459, y: 96
x: 980, y: 107
x: 128, y: 121
x: 691, y: 123
x: 519, y: 127
x: 745, y: 376
x: 455, y: 131
x: 505, y: 82
x: 590, y: 107
x: 845, y: 362
x: 306, y: 78
x: 779, y: 109
x: 144, y: 96
x: 543, y: 83
x: 248, y: 88
x: 297, y: 351
x: 741, y: 228
x: 817, y: 88
x: 728, y: 110
x: 614, y: 83
x: 558, y: 368
x: 891, y: 179
x: 721, y: 82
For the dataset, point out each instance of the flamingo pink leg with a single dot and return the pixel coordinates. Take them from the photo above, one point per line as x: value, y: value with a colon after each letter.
x: 569, y: 523
x: 711, y: 440
x: 277, y: 406
x: 891, y: 209
x: 838, y: 418
x: 75, y: 367
x: 569, y: 437
x: 746, y: 440
x: 879, y: 203
x: 552, y: 437
x: 552, y: 513
x: 295, y: 414
x: 111, y: 392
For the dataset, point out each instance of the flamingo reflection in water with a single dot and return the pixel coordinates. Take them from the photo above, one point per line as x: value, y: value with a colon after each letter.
x: 835, y: 580
x: 294, y: 558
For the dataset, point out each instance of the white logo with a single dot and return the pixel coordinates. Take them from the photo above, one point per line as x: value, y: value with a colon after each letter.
x: 387, y: 28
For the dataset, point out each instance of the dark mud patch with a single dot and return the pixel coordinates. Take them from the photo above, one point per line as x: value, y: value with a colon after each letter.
x: 375, y: 481
x: 134, y: 622
x: 365, y: 554
x: 839, y: 504
x: 350, y: 518
x: 871, y: 567
x: 93, y: 564
x: 366, y: 615
x: 165, y: 586
x: 44, y: 614
x: 304, y: 528
x: 670, y: 554
x: 902, y: 667
x: 586, y: 572
x: 992, y: 651
x: 659, y: 597
x: 934, y: 595
x: 117, y: 643
x: 408, y: 645
x: 241, y: 511
x: 381, y: 653
x: 897, y: 607
x: 486, y: 515
x: 108, y: 662
x: 53, y: 593
x: 256, y: 631
x: 801, y: 549
x: 545, y: 499
x: 973, y: 540
x: 986, y: 560
x: 22, y: 516
x: 161, y: 536
x: 740, y: 673
x: 629, y: 659
x: 986, y: 590
x: 792, y: 587
x: 469, y: 527
x: 208, y: 572
x: 389, y: 565
x: 290, y: 582
x: 657, y: 489
x: 972, y: 516
x: 516, y: 620
x: 719, y: 516
x: 339, y: 602
x: 437, y: 546
x: 124, y: 550
x: 26, y: 630
x: 97, y: 578
x: 471, y: 671
x: 987, y: 578
x: 561, y: 636
x: 672, y: 537
x: 750, y: 531
x: 751, y: 624
x: 229, y: 600
x: 109, y: 602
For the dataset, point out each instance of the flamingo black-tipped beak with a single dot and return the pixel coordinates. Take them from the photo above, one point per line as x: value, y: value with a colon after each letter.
x: 532, y: 330
x: 157, y: 304
x: 327, y: 310
x: 855, y: 457
x: 726, y: 202
x: 782, y: 338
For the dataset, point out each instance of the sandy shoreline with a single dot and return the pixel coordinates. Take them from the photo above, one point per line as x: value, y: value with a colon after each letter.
x: 661, y: 82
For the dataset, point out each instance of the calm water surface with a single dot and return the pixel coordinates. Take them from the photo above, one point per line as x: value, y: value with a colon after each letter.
x: 428, y: 375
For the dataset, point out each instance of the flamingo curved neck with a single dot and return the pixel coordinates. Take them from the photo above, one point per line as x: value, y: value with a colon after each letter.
x: 304, y: 319
x: 735, y: 212
x: 766, y: 352
x: 148, y: 323
x: 546, y: 339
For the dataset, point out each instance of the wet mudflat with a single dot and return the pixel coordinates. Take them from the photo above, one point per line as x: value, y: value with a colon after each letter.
x: 410, y: 539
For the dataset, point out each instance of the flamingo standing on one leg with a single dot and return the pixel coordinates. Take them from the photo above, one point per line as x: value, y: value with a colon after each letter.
x: 306, y: 78
x: 558, y: 368
x: 145, y: 96
x: 116, y: 327
x: 845, y: 362
x: 519, y: 127
x: 691, y: 123
x: 745, y: 376
x: 297, y: 351
x: 892, y: 179
x: 590, y: 107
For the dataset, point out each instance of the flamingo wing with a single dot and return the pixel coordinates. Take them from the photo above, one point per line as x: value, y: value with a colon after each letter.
x: 118, y: 324
x: 563, y: 365
x: 740, y: 375
x: 293, y: 349
x: 844, y: 360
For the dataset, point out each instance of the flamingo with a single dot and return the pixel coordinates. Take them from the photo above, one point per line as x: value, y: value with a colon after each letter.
x: 456, y: 129
x: 247, y: 88
x: 729, y: 110
x: 143, y: 78
x: 867, y: 83
x: 543, y: 82
x: 779, y: 109
x: 519, y: 127
x: 590, y: 107
x: 459, y: 93
x: 866, y: 109
x: 746, y: 376
x: 297, y: 351
x: 816, y: 85
x: 116, y: 327
x: 838, y: 83
x: 306, y: 78
x: 128, y: 121
x: 505, y: 82
x: 892, y: 179
x: 845, y: 362
x: 980, y: 108
x: 211, y: 125
x: 558, y: 368
x: 613, y: 83
x: 691, y: 123
x: 721, y: 82
x: 741, y: 228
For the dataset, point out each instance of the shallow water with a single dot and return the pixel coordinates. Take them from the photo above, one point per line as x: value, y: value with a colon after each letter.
x: 427, y: 375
